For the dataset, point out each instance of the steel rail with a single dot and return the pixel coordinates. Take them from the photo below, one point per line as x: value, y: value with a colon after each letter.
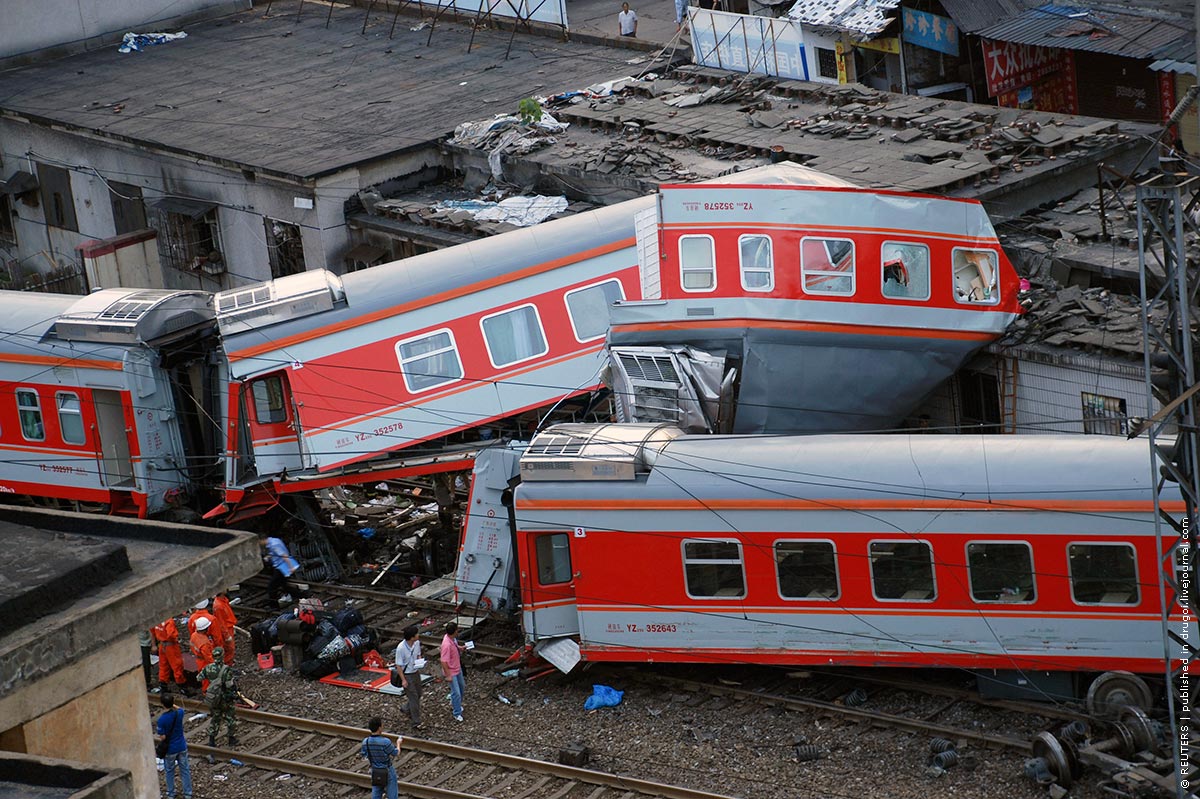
x: 457, y: 752
x: 872, y: 716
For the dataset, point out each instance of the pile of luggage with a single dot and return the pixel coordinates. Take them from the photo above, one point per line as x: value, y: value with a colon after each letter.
x: 332, y: 641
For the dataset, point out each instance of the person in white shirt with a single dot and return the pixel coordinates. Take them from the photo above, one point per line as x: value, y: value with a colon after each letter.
x: 409, y: 663
x: 627, y: 21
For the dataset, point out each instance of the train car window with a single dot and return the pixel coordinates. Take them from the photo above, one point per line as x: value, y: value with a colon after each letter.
x: 806, y: 570
x: 905, y: 270
x: 975, y: 276
x: 429, y: 361
x: 588, y: 308
x: 553, y: 558
x: 697, y: 263
x: 827, y: 265
x: 1001, y: 572
x: 270, y: 405
x: 902, y: 570
x: 70, y: 417
x: 1103, y: 574
x: 29, y: 411
x: 758, y: 265
x: 714, y: 569
x: 514, y: 336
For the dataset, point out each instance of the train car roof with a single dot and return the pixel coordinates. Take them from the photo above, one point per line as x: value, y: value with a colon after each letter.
x: 785, y: 173
x: 388, y: 286
x: 29, y: 317
x: 886, y: 469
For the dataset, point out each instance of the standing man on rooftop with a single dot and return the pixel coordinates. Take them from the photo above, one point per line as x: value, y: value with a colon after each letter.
x: 627, y: 21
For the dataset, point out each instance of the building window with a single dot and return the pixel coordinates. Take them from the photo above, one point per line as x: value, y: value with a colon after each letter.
x: 189, y: 236
x: 588, y: 308
x: 714, y: 569
x: 806, y: 570
x: 29, y: 412
x: 979, y: 402
x: 429, y: 361
x: 1103, y: 574
x: 975, y: 275
x: 905, y: 270
x: 553, y: 558
x: 270, y: 403
x: 1001, y: 572
x: 8, y: 228
x: 1105, y: 416
x: 70, y: 417
x: 697, y: 263
x: 758, y: 267
x: 129, y: 212
x: 285, y: 248
x: 902, y: 570
x: 827, y: 63
x: 58, y: 203
x: 827, y: 266
x: 514, y: 336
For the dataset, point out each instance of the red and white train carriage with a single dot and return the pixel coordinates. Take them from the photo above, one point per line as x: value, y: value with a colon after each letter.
x: 996, y: 553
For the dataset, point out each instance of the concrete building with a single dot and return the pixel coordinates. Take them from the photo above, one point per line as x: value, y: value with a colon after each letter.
x: 76, y: 590
x: 242, y: 146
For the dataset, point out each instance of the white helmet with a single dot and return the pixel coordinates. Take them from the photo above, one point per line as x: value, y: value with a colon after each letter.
x: 203, y: 623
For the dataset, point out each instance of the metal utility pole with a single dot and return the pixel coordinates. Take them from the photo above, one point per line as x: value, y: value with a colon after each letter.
x: 1167, y: 205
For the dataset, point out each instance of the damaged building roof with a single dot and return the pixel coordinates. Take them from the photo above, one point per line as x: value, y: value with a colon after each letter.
x: 285, y: 95
x: 1134, y: 34
x: 702, y: 123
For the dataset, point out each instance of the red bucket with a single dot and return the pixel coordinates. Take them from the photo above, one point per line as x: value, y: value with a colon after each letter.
x: 266, y: 660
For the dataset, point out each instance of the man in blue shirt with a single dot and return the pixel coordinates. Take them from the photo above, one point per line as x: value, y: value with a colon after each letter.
x: 170, y: 726
x: 284, y: 565
x: 379, y: 752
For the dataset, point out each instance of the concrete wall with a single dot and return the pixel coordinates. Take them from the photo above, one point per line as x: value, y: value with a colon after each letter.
x: 106, y: 726
x: 35, y: 29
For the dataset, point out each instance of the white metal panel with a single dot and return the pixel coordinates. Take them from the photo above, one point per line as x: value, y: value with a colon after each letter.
x: 645, y: 225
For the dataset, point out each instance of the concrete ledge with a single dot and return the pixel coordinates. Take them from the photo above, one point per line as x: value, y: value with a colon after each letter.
x: 172, y: 565
x: 49, y: 778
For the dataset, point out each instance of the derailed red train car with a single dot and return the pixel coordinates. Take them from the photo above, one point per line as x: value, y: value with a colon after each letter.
x: 1024, y: 556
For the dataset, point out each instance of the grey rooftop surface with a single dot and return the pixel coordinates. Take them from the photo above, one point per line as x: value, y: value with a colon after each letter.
x: 285, y: 95
x: 141, y: 572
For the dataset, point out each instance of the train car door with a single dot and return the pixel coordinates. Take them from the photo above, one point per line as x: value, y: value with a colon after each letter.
x: 274, y: 429
x: 551, y: 580
x: 116, y: 465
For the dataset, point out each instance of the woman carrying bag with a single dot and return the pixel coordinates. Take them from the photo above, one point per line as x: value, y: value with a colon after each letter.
x: 379, y: 752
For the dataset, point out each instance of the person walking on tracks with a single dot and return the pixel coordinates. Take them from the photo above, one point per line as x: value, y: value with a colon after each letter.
x: 451, y: 660
x: 379, y: 752
x: 284, y: 566
x: 170, y: 655
x: 170, y: 728
x: 409, y: 663
x: 223, y: 610
x: 220, y: 695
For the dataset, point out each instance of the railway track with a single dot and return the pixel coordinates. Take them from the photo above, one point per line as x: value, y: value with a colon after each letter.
x: 427, y: 769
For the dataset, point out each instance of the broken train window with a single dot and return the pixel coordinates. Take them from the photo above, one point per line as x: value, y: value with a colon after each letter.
x: 758, y: 268
x: 827, y: 265
x: 975, y: 276
x: 905, y: 270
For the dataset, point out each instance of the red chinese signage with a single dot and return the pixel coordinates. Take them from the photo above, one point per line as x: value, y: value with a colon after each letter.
x: 1010, y: 66
x: 1055, y: 93
x: 1166, y: 95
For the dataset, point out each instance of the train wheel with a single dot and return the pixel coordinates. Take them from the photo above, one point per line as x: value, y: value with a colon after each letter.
x: 1059, y: 761
x: 1114, y: 690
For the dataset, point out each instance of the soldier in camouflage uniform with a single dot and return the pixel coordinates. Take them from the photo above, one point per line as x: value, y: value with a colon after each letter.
x: 221, y: 694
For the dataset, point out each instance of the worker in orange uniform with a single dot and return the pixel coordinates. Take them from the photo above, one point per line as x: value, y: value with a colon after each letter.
x: 202, y: 647
x: 202, y: 612
x: 224, y: 613
x: 165, y: 637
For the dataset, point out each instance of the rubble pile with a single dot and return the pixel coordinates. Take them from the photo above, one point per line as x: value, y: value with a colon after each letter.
x: 1094, y: 320
x: 631, y: 158
x: 396, y: 533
